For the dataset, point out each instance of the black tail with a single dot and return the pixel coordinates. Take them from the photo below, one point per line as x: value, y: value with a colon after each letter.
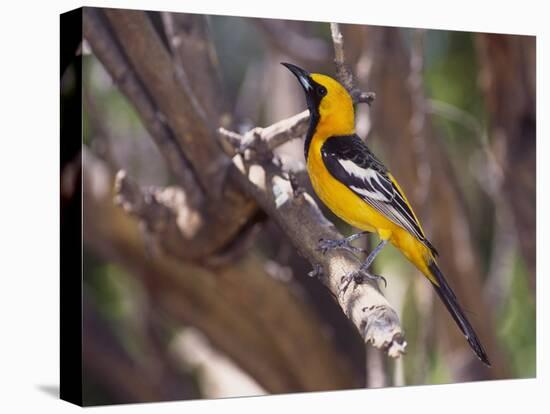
x: 449, y: 299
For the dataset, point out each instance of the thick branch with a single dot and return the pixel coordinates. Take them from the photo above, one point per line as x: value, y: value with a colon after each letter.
x: 155, y: 67
x: 299, y: 217
x: 196, y: 64
x: 304, y: 224
x: 107, y: 51
x: 167, y: 112
x: 246, y: 313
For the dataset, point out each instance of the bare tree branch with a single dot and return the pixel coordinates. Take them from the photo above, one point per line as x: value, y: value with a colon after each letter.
x: 154, y: 65
x: 265, y: 140
x: 343, y: 73
x: 107, y: 51
x: 196, y: 64
x: 167, y: 112
x: 303, y: 222
x: 249, y: 315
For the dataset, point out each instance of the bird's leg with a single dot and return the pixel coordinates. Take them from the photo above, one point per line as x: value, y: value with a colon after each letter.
x: 367, y: 263
x: 344, y: 244
x: 363, y: 272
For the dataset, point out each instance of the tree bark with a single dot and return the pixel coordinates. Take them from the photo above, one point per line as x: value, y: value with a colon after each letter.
x: 136, y: 58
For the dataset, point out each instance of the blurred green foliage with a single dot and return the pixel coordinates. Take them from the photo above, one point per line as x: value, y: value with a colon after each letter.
x: 517, y: 324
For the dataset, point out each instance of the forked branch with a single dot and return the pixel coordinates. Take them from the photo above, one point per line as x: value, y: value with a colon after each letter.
x: 302, y: 221
x: 300, y: 218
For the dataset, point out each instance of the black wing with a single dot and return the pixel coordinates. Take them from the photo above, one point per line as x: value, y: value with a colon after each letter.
x: 351, y: 162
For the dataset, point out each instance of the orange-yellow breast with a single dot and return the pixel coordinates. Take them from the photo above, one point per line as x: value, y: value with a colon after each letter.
x: 337, y: 117
x: 353, y: 210
x: 341, y: 200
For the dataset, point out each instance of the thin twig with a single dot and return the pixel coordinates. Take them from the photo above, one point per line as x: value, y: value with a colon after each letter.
x: 265, y: 140
x: 343, y: 73
x: 362, y: 97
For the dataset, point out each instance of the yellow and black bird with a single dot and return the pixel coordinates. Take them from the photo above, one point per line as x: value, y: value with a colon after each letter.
x: 360, y: 190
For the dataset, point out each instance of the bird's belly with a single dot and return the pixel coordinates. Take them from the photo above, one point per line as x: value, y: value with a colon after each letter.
x: 353, y: 210
x: 345, y: 203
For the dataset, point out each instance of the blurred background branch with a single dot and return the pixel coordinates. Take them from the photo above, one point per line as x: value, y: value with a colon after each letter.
x: 509, y: 86
x: 404, y: 124
x: 244, y: 311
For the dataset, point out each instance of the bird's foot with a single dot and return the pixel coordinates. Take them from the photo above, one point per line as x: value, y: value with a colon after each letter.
x: 344, y: 244
x: 358, y: 277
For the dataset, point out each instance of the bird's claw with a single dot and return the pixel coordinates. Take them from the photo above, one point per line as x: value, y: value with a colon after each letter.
x: 325, y: 245
x: 358, y: 277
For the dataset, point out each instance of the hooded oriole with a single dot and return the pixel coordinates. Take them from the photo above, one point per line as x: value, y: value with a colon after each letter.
x: 359, y: 189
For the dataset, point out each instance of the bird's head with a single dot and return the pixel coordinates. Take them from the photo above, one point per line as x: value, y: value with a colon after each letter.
x: 326, y: 99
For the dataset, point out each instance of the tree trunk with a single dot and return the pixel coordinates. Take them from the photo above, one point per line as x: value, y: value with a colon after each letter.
x: 508, y: 80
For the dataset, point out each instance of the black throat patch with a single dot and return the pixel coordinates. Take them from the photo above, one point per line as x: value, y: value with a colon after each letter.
x: 313, y: 121
x: 313, y: 102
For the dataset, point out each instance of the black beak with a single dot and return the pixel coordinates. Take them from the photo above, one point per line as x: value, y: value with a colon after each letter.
x: 303, y: 76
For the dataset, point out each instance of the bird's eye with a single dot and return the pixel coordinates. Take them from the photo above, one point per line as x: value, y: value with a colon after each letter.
x: 321, y: 90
